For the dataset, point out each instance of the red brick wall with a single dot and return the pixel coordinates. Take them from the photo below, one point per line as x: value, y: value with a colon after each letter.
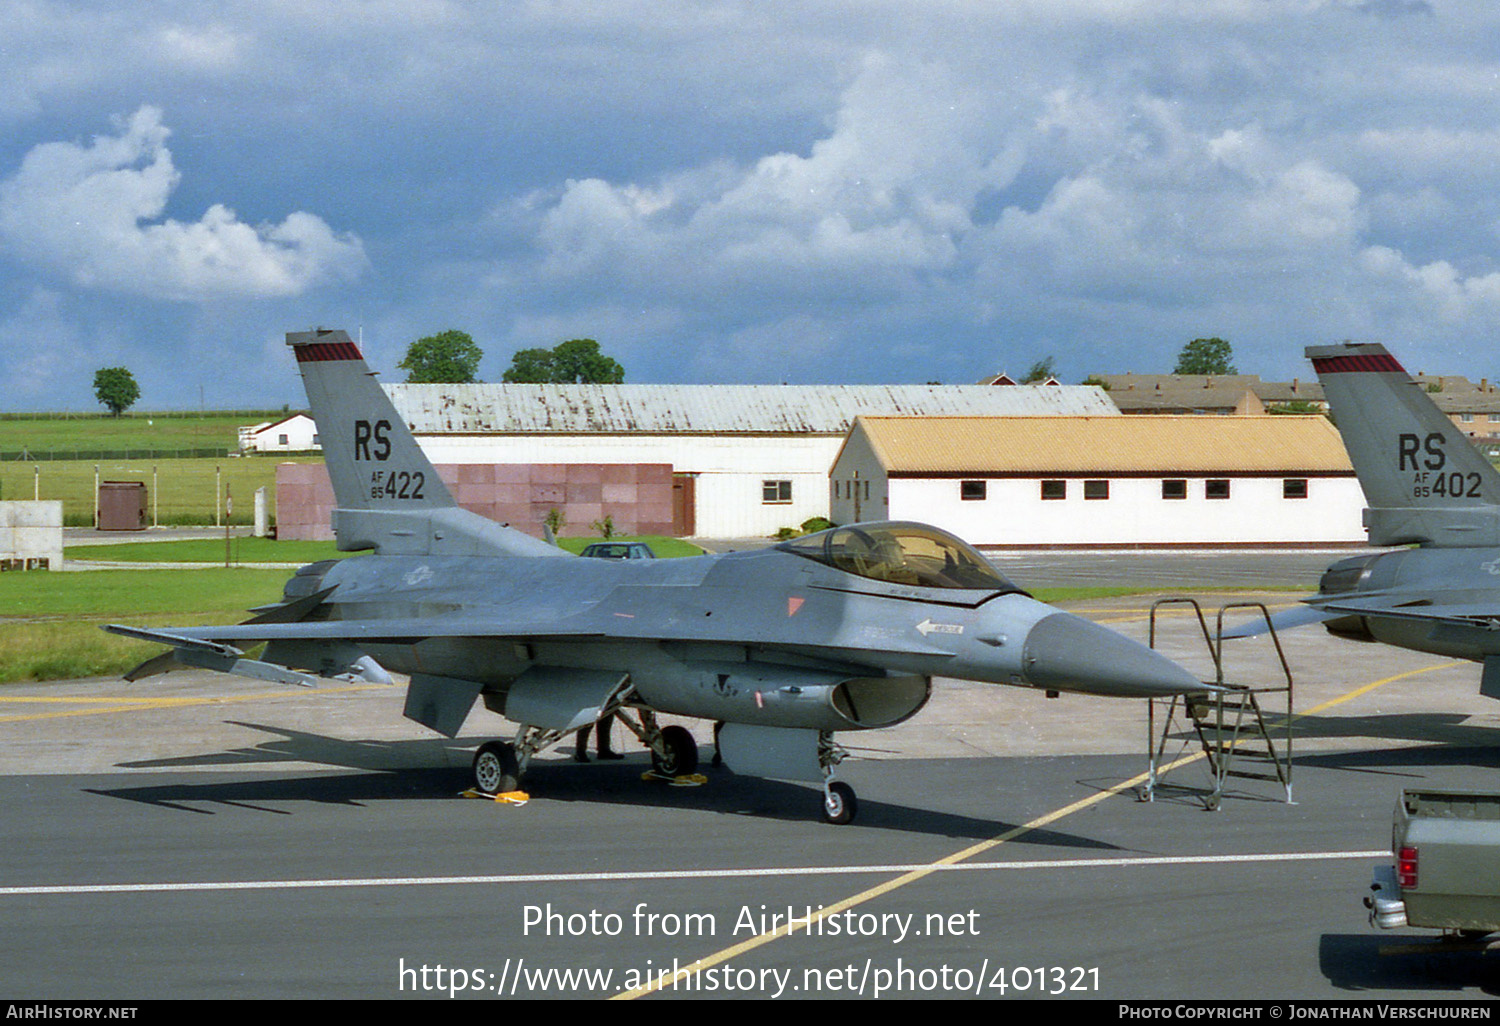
x: 638, y: 496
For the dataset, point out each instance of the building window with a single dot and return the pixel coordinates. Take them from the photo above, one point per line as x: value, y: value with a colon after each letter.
x: 1216, y: 488
x: 1294, y: 488
x: 776, y: 491
x: 1096, y: 489
x: 283, y: 440
x: 1054, y: 489
x: 972, y: 491
x: 1174, y: 489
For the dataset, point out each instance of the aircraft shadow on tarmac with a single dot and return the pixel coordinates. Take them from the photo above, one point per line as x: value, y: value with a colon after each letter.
x: 1423, y: 965
x: 1448, y: 728
x: 429, y: 769
x: 1413, y: 762
x: 1445, y: 728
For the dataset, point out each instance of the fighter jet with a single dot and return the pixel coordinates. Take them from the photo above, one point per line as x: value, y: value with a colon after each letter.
x: 784, y: 647
x: 1427, y: 487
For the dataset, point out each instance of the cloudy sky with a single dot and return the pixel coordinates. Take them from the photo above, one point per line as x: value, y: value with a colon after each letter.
x: 742, y: 191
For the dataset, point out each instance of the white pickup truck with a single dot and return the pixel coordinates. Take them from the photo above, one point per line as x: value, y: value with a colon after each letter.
x: 1446, y: 874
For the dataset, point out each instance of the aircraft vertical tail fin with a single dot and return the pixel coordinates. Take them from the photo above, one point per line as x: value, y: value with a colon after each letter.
x: 389, y: 495
x: 373, y: 460
x: 1425, y: 482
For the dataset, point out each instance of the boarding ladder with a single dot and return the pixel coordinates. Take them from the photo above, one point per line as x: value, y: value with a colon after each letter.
x: 1230, y: 724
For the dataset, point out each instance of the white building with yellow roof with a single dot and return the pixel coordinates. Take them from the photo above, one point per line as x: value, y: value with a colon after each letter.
x: 1103, y: 481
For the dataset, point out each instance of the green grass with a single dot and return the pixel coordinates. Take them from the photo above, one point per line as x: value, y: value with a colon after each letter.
x: 131, y: 431
x: 1199, y: 591
x: 49, y: 622
x: 184, y: 489
x: 1054, y: 595
x: 664, y: 547
x: 125, y: 593
x: 264, y: 550
x: 208, y: 550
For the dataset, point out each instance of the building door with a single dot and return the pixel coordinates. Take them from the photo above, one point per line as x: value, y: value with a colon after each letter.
x: 684, y: 505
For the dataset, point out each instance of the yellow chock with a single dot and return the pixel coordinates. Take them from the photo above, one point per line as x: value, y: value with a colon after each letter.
x: 505, y: 797
x: 685, y: 780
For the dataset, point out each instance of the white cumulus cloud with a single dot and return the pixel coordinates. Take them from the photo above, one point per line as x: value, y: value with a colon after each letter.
x: 93, y: 213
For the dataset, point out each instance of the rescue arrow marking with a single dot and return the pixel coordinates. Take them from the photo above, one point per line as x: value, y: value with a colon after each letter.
x: 928, y: 627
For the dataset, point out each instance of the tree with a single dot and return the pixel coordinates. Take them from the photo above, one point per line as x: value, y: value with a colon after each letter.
x: 1205, y: 356
x: 450, y: 357
x: 577, y: 361
x: 115, y: 387
x: 1040, y: 371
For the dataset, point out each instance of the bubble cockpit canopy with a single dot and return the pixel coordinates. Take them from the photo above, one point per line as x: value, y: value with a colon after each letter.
x: 901, y: 553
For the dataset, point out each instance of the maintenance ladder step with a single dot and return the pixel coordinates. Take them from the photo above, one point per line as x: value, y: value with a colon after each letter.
x: 1230, y: 722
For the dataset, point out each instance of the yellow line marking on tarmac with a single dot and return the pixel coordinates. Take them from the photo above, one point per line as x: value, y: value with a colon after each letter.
x: 975, y: 849
x: 1366, y: 689
x: 97, y: 706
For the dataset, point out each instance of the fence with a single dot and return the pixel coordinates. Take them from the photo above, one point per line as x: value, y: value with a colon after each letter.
x: 85, y: 455
x: 247, y: 415
x: 185, y: 491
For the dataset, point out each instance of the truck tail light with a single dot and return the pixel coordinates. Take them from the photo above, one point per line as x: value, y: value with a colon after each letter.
x: 1406, y: 868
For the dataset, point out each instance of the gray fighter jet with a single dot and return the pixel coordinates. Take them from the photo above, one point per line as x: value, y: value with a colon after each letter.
x: 1427, y: 487
x: 837, y: 631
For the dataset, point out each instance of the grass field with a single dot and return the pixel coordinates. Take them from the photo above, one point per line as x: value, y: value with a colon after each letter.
x: 130, y: 431
x: 208, y: 550
x: 183, y: 493
x: 49, y: 622
x: 264, y: 550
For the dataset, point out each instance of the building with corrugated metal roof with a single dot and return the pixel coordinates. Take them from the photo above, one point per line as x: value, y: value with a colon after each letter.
x: 1221, y: 394
x: 1080, y: 481
x: 747, y: 460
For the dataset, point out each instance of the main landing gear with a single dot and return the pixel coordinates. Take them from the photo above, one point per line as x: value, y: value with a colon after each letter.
x: 496, y: 769
x: 499, y: 765
x: 839, y: 804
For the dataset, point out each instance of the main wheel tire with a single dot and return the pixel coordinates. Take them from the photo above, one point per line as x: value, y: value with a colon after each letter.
x: 839, y: 803
x: 496, y: 770
x: 681, y: 756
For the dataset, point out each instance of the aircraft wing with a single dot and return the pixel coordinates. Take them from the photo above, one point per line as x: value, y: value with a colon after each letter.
x: 227, y: 641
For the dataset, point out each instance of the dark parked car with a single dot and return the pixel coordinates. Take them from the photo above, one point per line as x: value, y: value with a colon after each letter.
x: 619, y: 550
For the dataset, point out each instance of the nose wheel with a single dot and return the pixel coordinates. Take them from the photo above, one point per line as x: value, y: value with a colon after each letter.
x: 839, y: 804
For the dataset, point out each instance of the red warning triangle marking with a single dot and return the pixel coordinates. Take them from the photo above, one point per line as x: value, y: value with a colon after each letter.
x: 793, y: 603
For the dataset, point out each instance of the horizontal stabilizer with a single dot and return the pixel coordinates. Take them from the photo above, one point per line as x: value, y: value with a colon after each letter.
x: 1485, y: 615
x: 206, y: 655
x: 1285, y: 620
x: 178, y: 641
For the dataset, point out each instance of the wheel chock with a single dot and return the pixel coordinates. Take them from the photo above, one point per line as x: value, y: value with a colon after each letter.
x: 685, y: 780
x: 505, y: 797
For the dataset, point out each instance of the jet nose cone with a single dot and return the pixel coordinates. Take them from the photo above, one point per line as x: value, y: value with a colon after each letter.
x: 1070, y: 653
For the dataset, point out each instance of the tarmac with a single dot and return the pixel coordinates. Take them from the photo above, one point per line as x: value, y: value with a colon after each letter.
x: 201, y: 836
